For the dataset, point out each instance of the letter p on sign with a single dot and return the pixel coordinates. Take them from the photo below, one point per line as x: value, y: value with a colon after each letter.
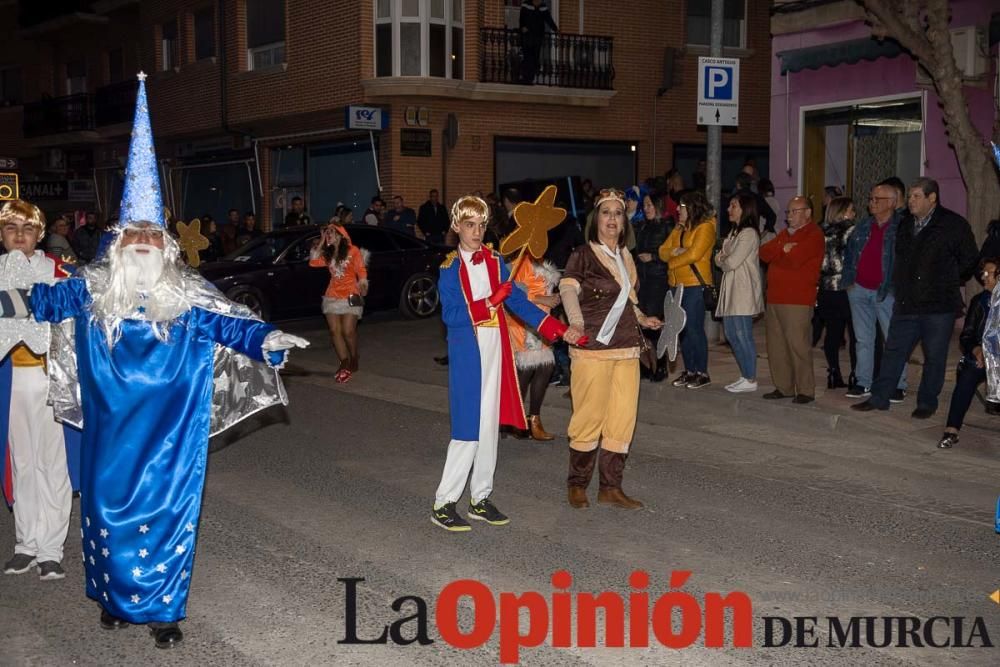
x: 718, y: 83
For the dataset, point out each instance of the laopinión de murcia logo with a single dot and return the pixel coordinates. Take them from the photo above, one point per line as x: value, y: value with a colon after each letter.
x: 563, y: 618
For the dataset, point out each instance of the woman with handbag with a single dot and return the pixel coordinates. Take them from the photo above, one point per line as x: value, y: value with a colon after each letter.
x: 650, y: 234
x: 598, y: 295
x: 688, y: 254
x: 343, y: 302
x: 740, y: 294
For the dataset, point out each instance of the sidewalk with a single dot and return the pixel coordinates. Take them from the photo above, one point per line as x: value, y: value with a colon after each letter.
x: 403, y: 349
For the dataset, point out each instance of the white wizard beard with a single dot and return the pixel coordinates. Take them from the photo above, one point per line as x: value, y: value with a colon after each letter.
x: 142, y: 266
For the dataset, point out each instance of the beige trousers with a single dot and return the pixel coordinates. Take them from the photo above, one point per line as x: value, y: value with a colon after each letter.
x: 605, y: 402
x: 789, y: 348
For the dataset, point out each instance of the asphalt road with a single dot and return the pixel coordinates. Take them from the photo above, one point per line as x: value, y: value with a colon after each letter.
x: 807, y: 521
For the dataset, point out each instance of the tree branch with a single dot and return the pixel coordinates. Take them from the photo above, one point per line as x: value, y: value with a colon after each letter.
x: 905, y: 28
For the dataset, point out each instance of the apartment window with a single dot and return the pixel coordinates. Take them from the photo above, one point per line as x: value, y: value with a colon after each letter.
x: 76, y: 77
x: 699, y: 23
x: 10, y: 86
x: 204, y: 33
x: 116, y: 66
x: 265, y: 33
x: 420, y: 38
x: 168, y: 45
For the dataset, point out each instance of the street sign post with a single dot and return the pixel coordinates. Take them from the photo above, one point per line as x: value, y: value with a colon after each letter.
x: 718, y: 91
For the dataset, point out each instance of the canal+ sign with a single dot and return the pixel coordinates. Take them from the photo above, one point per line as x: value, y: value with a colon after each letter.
x: 365, y: 118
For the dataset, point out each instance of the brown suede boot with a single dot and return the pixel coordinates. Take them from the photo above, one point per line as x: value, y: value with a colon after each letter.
x: 581, y: 469
x: 612, y: 467
x: 536, y: 429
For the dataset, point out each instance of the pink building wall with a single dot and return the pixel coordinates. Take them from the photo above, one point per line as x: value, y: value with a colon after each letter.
x: 881, y: 78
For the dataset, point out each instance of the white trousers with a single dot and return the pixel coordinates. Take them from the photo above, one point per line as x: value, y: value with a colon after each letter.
x: 479, y: 457
x: 43, y: 496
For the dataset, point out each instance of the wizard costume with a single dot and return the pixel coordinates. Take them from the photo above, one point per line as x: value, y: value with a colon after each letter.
x: 482, y: 384
x: 39, y: 458
x: 147, y: 408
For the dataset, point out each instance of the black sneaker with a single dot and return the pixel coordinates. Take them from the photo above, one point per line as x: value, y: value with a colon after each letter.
x: 857, y: 391
x: 447, y: 517
x: 484, y: 510
x: 50, y: 570
x: 698, y: 381
x: 682, y: 379
x: 948, y: 440
x: 19, y: 564
x: 898, y: 396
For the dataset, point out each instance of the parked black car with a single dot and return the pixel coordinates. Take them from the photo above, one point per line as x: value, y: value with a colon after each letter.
x: 272, y: 276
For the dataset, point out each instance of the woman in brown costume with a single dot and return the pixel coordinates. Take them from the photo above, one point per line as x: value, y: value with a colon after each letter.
x: 598, y: 294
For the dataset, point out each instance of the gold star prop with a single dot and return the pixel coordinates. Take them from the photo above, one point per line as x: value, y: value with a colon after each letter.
x: 534, y: 220
x: 191, y: 241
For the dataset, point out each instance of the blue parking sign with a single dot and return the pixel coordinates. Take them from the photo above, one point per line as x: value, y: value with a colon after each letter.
x: 719, y: 83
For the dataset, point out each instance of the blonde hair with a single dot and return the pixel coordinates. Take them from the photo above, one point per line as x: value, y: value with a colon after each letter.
x: 468, y: 207
x: 23, y: 210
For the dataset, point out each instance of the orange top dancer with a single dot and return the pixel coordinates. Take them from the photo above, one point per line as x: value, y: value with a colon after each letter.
x: 343, y: 303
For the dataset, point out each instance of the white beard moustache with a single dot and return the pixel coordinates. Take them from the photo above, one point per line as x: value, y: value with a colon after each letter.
x: 142, y: 269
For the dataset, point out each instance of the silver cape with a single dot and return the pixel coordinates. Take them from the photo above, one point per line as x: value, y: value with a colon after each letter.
x: 242, y: 386
x: 991, y: 349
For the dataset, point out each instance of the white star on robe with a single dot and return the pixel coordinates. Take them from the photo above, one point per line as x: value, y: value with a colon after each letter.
x: 87, y: 521
x: 167, y: 599
x: 143, y: 529
x: 190, y: 527
x: 94, y: 583
x: 92, y: 545
x: 161, y: 568
x: 135, y: 599
x: 92, y: 561
x: 105, y: 552
x: 136, y: 571
x: 184, y: 574
x: 106, y: 578
x: 81, y: 533
x: 143, y: 553
x: 104, y: 532
x: 105, y: 596
x: 180, y: 549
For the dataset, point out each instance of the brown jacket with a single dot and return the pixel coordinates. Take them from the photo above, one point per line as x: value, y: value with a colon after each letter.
x: 595, y: 277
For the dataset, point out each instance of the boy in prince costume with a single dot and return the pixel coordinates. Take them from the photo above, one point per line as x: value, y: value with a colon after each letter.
x: 482, y: 382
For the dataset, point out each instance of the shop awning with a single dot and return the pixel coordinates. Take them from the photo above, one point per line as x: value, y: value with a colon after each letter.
x: 830, y: 55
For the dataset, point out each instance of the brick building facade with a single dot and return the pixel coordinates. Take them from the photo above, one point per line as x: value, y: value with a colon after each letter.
x: 248, y: 97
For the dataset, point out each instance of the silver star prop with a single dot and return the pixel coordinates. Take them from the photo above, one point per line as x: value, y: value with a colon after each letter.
x: 674, y: 319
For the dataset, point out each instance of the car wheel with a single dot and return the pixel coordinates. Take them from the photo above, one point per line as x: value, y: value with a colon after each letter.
x: 252, y: 299
x: 420, y: 296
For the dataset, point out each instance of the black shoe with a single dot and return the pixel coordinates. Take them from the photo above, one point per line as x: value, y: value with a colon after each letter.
x: 484, y: 510
x: 166, y: 635
x: 660, y: 374
x: 441, y: 361
x: 774, y: 395
x: 992, y: 408
x: 802, y: 399
x: 948, y: 440
x: 834, y: 380
x: 682, y: 379
x: 923, y: 413
x: 698, y: 381
x: 857, y: 391
x: 898, y: 396
x: 19, y: 564
x: 447, y: 517
x: 867, y: 406
x: 109, y: 622
x: 50, y: 570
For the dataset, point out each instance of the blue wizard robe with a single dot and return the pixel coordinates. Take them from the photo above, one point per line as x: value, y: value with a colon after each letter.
x: 147, y: 414
x: 461, y: 315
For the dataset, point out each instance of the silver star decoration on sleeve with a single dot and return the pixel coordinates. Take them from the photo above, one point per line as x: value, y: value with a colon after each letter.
x: 161, y: 568
x: 136, y: 572
x: 143, y: 529
x: 674, y: 319
x: 135, y: 599
x: 143, y: 553
x: 104, y: 533
x: 105, y: 552
x: 167, y: 599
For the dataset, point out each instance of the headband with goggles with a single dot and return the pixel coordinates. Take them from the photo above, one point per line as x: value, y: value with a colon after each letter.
x: 610, y: 194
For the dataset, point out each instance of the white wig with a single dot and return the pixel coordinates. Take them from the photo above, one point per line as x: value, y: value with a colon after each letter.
x: 119, y: 301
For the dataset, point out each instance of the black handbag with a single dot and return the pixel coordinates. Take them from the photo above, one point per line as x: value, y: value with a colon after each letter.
x: 710, y: 293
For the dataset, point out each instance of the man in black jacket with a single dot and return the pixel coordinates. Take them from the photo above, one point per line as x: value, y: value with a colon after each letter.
x: 432, y: 219
x: 936, y: 254
x: 535, y: 17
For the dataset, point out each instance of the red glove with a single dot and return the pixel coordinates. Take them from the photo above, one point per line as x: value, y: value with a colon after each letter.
x: 501, y: 294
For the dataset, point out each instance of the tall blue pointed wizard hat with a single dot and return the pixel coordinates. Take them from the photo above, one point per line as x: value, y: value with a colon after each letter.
x: 142, y: 200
